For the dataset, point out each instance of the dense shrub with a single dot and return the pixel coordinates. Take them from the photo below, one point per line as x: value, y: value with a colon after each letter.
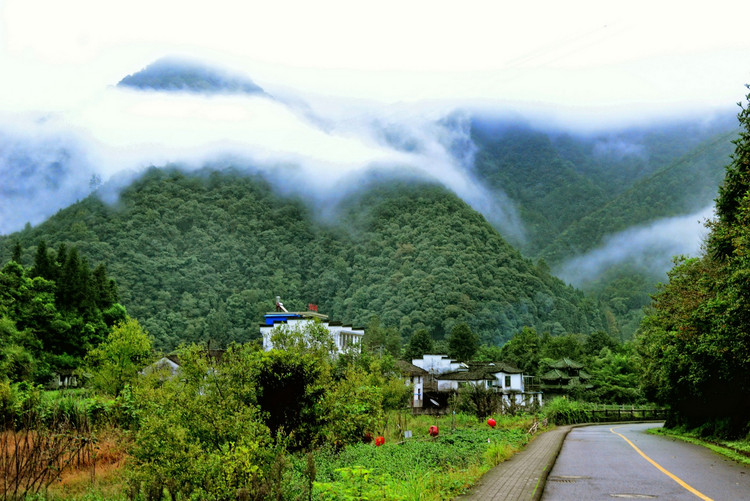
x: 563, y: 410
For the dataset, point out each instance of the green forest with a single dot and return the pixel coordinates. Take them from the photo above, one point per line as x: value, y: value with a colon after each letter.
x: 694, y: 342
x: 574, y: 191
x: 200, y: 257
x: 53, y: 313
x: 186, y: 263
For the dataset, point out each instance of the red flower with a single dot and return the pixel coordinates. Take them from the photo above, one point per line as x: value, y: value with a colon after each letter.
x: 491, y: 422
x: 433, y: 431
x: 379, y: 441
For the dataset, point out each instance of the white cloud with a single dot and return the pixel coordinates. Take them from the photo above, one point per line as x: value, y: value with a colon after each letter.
x: 362, y: 68
x: 579, y: 53
x: 648, y: 247
x: 325, y: 146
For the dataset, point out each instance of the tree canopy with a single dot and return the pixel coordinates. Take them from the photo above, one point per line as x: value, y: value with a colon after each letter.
x: 200, y: 257
x: 53, y: 313
x: 695, y: 341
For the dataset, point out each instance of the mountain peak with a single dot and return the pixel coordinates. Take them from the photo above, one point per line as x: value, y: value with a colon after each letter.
x: 177, y: 74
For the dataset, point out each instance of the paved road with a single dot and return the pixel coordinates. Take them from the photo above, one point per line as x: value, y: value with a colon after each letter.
x: 597, y: 462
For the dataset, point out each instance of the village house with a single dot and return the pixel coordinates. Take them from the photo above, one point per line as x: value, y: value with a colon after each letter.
x: 445, y: 375
x: 415, y: 376
x: 344, y: 337
x: 170, y: 364
x: 64, y: 378
x: 500, y: 377
x: 438, y: 364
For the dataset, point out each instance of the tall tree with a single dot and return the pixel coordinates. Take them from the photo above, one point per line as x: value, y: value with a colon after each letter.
x: 524, y: 350
x: 420, y: 344
x: 695, y: 341
x: 17, y: 251
x: 101, y: 287
x: 43, y: 264
x: 732, y: 203
x: 118, y: 359
x: 462, y: 342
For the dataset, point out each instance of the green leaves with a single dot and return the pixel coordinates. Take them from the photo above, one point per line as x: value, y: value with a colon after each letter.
x: 694, y: 342
x: 116, y: 362
x: 462, y: 343
x: 200, y: 257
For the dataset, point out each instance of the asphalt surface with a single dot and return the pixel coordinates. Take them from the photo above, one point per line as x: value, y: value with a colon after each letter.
x: 596, y: 462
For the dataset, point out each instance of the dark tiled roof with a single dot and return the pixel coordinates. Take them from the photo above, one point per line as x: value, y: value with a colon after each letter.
x: 215, y: 355
x: 478, y: 371
x: 410, y: 369
x: 565, y: 363
x: 465, y: 376
x: 496, y: 367
x: 555, y: 375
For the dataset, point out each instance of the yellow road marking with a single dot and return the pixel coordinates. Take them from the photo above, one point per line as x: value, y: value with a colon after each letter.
x: 662, y: 469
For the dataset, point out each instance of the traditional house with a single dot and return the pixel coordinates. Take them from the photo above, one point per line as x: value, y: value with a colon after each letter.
x: 170, y: 364
x: 497, y: 376
x: 415, y: 376
x: 63, y: 378
x: 447, y: 375
x: 564, y: 376
x: 438, y: 364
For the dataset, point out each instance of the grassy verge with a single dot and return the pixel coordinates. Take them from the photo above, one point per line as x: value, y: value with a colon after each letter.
x: 417, y: 468
x: 421, y: 467
x: 736, y: 450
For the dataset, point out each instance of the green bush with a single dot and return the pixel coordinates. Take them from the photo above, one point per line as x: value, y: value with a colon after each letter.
x: 563, y: 410
x: 353, y: 407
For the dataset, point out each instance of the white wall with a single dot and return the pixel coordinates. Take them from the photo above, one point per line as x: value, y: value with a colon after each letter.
x: 516, y: 382
x: 344, y: 337
x: 418, y: 385
x: 437, y: 364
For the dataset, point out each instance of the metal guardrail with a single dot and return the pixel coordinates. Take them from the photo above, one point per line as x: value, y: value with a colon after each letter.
x: 622, y: 414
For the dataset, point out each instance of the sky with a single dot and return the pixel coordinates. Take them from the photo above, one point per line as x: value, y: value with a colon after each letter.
x: 610, y: 56
x: 347, y: 77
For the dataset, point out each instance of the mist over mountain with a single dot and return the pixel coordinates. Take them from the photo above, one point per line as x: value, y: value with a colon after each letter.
x: 322, y: 146
x: 574, y: 190
x: 588, y: 202
x: 200, y: 256
x: 683, y: 188
x: 41, y: 173
x: 178, y: 74
x: 608, y: 211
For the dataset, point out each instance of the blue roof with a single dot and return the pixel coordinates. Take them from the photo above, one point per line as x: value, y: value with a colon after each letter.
x: 283, y: 316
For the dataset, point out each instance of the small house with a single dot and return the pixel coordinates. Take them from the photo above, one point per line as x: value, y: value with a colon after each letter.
x: 415, y: 376
x: 448, y: 375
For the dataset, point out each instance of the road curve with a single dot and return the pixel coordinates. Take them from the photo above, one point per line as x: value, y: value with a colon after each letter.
x: 624, y: 462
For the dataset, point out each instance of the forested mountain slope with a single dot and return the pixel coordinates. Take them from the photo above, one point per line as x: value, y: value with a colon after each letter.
x: 549, y: 191
x: 572, y: 190
x: 201, y: 256
x: 684, y: 186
